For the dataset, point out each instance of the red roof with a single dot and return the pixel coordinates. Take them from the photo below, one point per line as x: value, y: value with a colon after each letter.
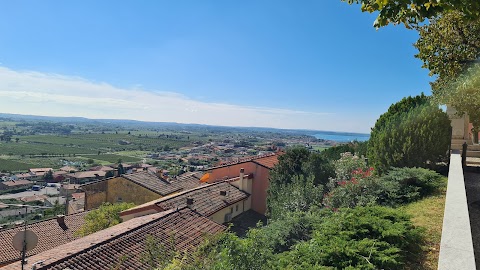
x: 206, y: 199
x: 49, y: 233
x: 267, y: 162
x: 125, y: 243
x: 17, y: 183
x: 269, y: 159
x: 152, y: 182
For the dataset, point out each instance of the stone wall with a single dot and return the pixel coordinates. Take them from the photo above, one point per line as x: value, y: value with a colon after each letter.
x: 123, y: 190
x: 115, y: 190
x: 95, y: 194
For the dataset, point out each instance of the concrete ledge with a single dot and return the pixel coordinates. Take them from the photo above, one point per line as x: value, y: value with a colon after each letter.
x: 456, y: 247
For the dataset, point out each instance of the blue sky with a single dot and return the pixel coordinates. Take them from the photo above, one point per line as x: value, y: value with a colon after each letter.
x: 286, y: 64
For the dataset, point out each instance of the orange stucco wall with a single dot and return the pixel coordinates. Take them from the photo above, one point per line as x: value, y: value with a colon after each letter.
x: 260, y: 181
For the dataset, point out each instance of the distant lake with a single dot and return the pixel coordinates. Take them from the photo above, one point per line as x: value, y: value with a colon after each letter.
x: 342, y: 136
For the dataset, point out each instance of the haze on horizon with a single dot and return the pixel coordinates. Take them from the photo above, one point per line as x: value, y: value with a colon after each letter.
x: 314, y: 65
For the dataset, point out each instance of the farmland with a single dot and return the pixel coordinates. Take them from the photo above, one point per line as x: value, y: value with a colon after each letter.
x: 13, y: 165
x: 111, y: 158
x: 33, y: 141
x: 51, y: 150
x: 92, y: 143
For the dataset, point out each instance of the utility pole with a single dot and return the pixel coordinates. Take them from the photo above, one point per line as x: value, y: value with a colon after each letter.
x: 24, y: 249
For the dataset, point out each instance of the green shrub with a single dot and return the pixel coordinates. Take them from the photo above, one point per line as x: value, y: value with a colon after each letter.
x: 297, y: 181
x: 362, y: 190
x: 300, y: 161
x: 300, y: 194
x: 360, y: 238
x: 398, y: 186
x: 334, y: 153
x: 412, y: 133
x: 282, y: 234
x: 404, y: 185
x: 347, y: 165
x: 105, y: 216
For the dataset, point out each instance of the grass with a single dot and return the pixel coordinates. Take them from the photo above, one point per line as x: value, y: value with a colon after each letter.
x: 111, y: 158
x: 320, y: 148
x: 133, y: 153
x: 30, y: 148
x: 12, y: 165
x: 106, y: 142
x: 428, y: 214
x: 48, y: 150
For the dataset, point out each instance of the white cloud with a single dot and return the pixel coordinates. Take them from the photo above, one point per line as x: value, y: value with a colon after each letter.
x: 29, y: 92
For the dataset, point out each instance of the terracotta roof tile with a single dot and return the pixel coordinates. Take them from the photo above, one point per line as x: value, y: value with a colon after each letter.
x: 87, y: 174
x: 244, y: 160
x: 34, y: 198
x: 50, y: 235
x: 36, y: 170
x: 17, y: 183
x: 207, y: 198
x: 267, y: 162
x: 187, y: 181
x: 68, y: 169
x: 152, y: 182
x: 105, y: 249
x: 101, y: 168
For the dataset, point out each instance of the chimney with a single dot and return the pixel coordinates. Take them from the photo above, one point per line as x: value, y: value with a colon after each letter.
x: 60, y: 219
x: 61, y: 222
x: 189, y: 202
x: 242, y: 174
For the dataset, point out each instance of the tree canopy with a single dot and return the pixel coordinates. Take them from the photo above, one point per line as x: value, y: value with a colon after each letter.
x: 297, y: 182
x: 413, y: 12
x: 360, y: 238
x: 105, y: 216
x: 464, y: 95
x: 448, y: 46
x: 412, y: 133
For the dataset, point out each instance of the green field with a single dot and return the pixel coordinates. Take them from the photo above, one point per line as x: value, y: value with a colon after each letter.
x: 92, y: 143
x: 111, y: 158
x: 28, y: 148
x: 49, y: 150
x: 13, y: 165
x: 320, y: 148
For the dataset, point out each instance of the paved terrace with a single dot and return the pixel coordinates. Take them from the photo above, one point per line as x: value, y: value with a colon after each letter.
x: 472, y: 186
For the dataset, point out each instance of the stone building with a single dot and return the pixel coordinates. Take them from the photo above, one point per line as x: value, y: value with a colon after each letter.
x: 137, y: 188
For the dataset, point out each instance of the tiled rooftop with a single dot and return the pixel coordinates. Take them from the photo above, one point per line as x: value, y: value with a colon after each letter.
x: 101, y: 168
x: 87, y: 174
x: 35, y: 170
x: 68, y: 169
x: 188, y: 180
x: 17, y: 183
x: 152, y: 182
x: 206, y: 199
x: 122, y: 246
x: 268, y: 160
x: 49, y: 233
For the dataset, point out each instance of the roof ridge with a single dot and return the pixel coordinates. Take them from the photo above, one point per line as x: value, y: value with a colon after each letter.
x: 45, y: 220
x: 244, y: 160
x: 107, y: 239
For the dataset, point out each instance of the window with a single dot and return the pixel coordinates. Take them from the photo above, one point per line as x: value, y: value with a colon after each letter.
x: 231, y: 209
x: 236, y: 208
